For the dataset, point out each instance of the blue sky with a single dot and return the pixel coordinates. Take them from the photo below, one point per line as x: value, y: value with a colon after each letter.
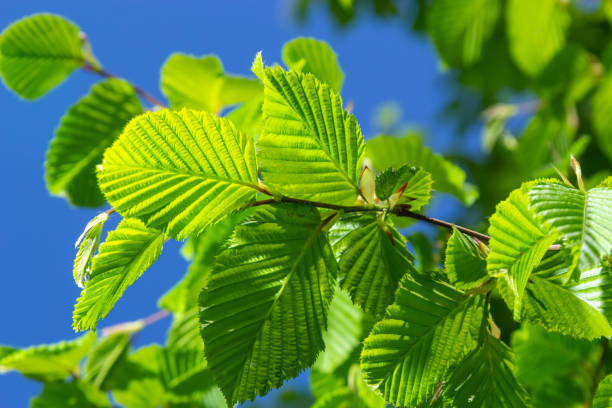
x: 132, y: 39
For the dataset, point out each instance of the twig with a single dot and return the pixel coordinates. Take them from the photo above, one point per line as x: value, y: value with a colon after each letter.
x: 136, y: 325
x: 144, y: 94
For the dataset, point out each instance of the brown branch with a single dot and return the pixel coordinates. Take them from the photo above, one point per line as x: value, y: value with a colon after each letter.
x: 136, y: 325
x: 140, y: 91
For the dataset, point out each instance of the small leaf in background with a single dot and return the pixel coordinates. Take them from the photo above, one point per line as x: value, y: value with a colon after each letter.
x: 88, y: 244
x: 87, y: 129
x: 316, y: 57
x: 74, y: 394
x: 461, y: 28
x: 127, y: 252
x: 406, y: 355
x: 602, y: 122
x: 465, y: 262
x: 371, y: 261
x: 199, y: 83
x: 308, y: 154
x: 536, y: 31
x: 194, y: 169
x: 49, y: 362
x: 603, y: 396
x: 387, y: 151
x: 38, y: 52
x: 104, y: 357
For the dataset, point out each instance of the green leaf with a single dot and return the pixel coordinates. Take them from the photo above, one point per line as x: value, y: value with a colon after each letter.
x: 429, y: 328
x: 184, y: 332
x: 558, y: 370
x: 536, y: 31
x: 423, y: 251
x: 346, y: 327
x: 284, y: 265
x: 603, y: 396
x: 557, y: 309
x: 128, y: 251
x: 372, y: 257
x: 184, y: 371
x: 49, y: 361
x: 248, y: 117
x: 87, y: 129
x: 38, y: 52
x: 602, y: 123
x: 355, y: 394
x: 102, y: 360
x: 179, y: 171
x: 143, y: 393
x: 486, y: 378
x: 387, y: 151
x: 406, y: 185
x: 465, y: 261
x: 316, y: 57
x: 584, y: 219
x: 518, y: 241
x: 88, y: 244
x: 461, y: 28
x: 184, y: 295
x: 199, y: 83
x: 310, y: 147
x: 75, y: 394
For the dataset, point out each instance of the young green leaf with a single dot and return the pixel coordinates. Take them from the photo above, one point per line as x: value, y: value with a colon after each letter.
x: 74, y: 394
x: 387, y: 151
x: 310, y: 147
x: 536, y: 30
x: 603, y: 396
x: 88, y: 244
x: 38, y: 52
x: 486, y: 379
x: 184, y: 333
x: 199, y: 83
x: 270, y: 329
x: 87, y: 129
x: 128, y: 251
x: 372, y: 257
x: 465, y: 261
x: 179, y: 171
x: 316, y: 57
x: 460, y: 29
x: 429, y: 327
x: 103, y: 359
x: 584, y: 219
x: 406, y: 185
x: 49, y: 362
x: 518, y: 241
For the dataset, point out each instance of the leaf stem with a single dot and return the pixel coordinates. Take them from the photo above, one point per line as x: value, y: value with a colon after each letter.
x: 140, y: 91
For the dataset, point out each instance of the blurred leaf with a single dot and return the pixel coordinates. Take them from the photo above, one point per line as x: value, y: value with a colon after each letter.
x: 386, y: 151
x: 49, y: 361
x: 38, y: 52
x: 602, y: 120
x: 603, y: 396
x: 75, y: 394
x: 87, y: 129
x: 316, y: 57
x: 104, y: 357
x: 199, y: 83
x: 536, y: 31
x: 459, y: 28
x: 184, y: 333
x: 423, y: 251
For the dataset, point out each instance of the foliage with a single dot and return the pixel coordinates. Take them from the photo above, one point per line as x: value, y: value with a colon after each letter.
x: 292, y: 222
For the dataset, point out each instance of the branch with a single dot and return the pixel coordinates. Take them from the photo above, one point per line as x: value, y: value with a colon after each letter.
x: 136, y: 325
x: 104, y: 73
